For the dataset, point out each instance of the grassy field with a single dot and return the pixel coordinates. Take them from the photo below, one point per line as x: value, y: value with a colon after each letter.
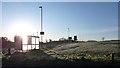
x: 74, y: 53
x: 90, y: 50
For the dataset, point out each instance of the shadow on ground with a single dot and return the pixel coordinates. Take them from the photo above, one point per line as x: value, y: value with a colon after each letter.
x: 38, y: 58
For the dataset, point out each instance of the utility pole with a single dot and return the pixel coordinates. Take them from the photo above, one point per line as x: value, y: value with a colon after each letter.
x: 103, y: 38
x: 68, y: 32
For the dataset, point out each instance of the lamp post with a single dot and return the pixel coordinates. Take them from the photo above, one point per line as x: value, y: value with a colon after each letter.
x: 41, y: 33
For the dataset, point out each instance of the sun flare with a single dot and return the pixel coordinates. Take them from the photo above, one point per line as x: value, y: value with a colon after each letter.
x: 22, y: 29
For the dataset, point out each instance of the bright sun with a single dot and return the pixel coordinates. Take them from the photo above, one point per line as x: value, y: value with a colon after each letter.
x: 22, y: 29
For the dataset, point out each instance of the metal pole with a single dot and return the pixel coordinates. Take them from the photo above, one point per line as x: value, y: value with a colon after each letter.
x: 37, y: 35
x: 35, y: 42
x: 41, y: 19
x: 68, y: 32
x: 41, y: 27
x: 31, y: 46
x: 27, y: 47
x: 41, y: 24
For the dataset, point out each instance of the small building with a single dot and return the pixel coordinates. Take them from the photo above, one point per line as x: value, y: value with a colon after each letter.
x: 75, y: 38
x: 18, y: 42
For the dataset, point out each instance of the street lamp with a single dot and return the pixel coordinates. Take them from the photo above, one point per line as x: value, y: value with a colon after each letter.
x: 41, y: 33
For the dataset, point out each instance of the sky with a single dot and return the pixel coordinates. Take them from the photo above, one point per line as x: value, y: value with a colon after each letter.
x: 87, y: 20
x: 59, y: 0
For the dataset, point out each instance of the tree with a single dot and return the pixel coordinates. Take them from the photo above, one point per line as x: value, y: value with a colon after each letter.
x: 62, y: 39
x: 6, y: 44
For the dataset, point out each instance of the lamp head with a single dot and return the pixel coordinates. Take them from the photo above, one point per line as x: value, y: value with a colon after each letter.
x: 40, y: 6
